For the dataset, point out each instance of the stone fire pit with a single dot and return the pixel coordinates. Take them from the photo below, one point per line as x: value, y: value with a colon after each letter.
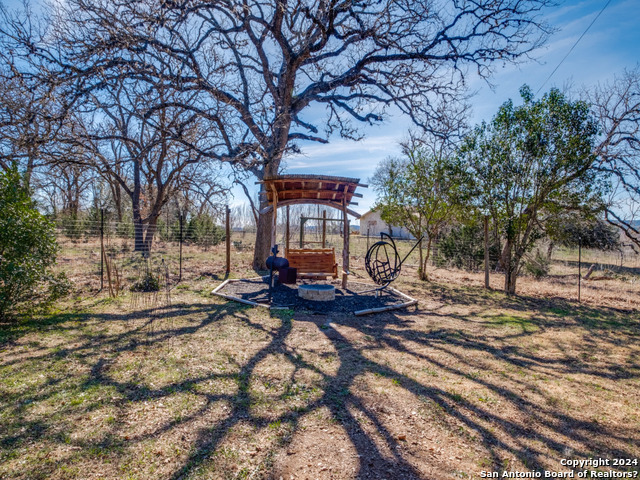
x: 317, y: 293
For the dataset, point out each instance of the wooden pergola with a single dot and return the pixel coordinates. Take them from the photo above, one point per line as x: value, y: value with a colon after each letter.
x: 336, y: 192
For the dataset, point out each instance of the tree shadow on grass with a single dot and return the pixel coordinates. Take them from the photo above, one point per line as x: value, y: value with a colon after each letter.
x: 13, y: 330
x: 531, y: 425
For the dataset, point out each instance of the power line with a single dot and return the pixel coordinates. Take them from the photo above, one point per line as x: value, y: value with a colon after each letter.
x: 574, y: 46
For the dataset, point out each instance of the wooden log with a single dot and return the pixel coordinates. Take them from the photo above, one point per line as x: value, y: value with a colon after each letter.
x: 384, y: 309
x: 403, y: 295
x: 242, y: 300
x: 221, y: 286
x: 229, y: 280
x: 590, y: 271
x: 216, y: 292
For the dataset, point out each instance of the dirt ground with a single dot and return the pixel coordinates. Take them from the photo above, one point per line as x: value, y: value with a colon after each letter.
x: 468, y: 381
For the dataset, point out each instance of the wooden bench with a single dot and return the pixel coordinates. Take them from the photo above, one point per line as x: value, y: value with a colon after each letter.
x: 313, y: 262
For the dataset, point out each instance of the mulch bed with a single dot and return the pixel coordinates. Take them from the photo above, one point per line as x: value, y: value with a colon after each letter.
x: 354, y: 298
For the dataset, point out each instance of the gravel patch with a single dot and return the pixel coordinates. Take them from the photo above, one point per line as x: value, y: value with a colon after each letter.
x: 357, y: 296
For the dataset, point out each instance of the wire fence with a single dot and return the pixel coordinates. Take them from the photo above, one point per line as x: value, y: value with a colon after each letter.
x: 98, y: 253
x: 89, y: 248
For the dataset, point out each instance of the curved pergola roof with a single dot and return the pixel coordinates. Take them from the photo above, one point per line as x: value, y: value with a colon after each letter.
x: 336, y: 192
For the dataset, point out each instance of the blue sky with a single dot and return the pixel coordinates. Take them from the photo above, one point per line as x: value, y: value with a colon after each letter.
x: 611, y: 45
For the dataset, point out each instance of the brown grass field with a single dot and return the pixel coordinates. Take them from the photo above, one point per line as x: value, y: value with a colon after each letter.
x: 470, y: 381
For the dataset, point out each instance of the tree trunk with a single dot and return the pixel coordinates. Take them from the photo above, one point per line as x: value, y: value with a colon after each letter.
x: 550, y: 251
x: 509, y: 271
x: 421, y: 264
x: 116, y: 193
x: 152, y: 227
x: 512, y: 261
x: 497, y: 241
x: 138, y: 226
x: 75, y: 193
x: 138, y: 232
x: 263, y: 241
x: 31, y: 157
x: 510, y: 281
x: 262, y: 248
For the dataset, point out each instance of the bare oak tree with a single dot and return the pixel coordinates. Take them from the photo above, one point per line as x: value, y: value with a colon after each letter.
x: 268, y: 74
x: 140, y: 150
x: 616, y: 105
x: 30, y: 123
x: 64, y: 185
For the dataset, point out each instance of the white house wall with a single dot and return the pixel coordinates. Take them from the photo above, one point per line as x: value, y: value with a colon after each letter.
x: 372, y: 222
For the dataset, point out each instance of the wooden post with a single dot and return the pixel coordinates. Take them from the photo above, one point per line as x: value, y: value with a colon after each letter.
x: 486, y: 251
x: 228, y: 237
x: 345, y: 247
x: 107, y: 264
x: 286, y: 241
x: 274, y: 219
x: 579, y: 265
x: 101, y: 249
x: 180, y: 239
x: 301, y: 231
x: 324, y: 229
x: 367, y: 238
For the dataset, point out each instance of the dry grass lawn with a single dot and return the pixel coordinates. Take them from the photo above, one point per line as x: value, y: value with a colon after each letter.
x: 469, y: 381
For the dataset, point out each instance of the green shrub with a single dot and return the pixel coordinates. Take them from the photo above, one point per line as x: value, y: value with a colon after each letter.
x: 78, y: 226
x: 71, y: 226
x: 572, y: 228
x: 463, y: 247
x: 124, y: 229
x: 28, y: 250
x: 147, y: 283
x: 168, y: 232
x: 538, y: 265
x: 150, y: 279
x: 202, y: 230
